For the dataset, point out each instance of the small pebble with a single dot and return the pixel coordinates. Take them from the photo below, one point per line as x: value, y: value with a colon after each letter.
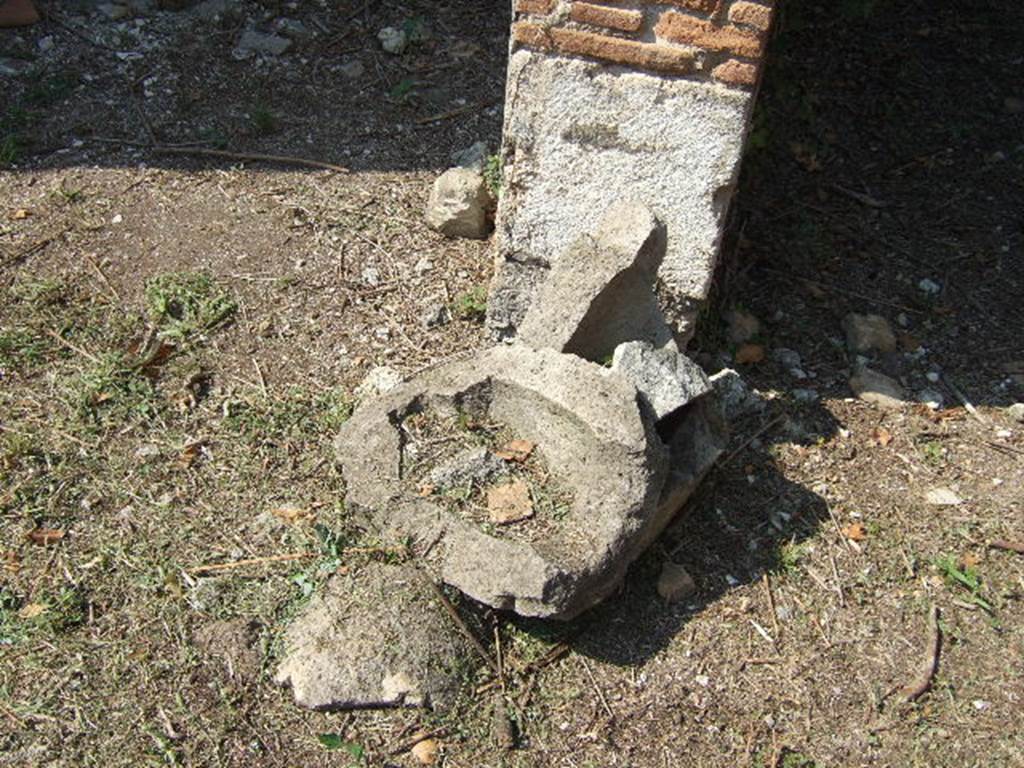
x: 675, y: 583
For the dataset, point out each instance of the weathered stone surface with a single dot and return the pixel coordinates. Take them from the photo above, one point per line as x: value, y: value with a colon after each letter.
x: 734, y: 396
x: 666, y: 379
x: 696, y: 436
x: 867, y: 332
x: 1016, y: 411
x: 373, y: 638
x: 378, y: 381
x: 599, y: 293
x: 877, y: 388
x: 458, y: 204
x: 475, y: 466
x: 580, y: 135
x: 473, y: 157
x: 593, y: 434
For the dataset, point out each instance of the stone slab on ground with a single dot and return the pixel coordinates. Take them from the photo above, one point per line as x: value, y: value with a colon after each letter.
x: 374, y: 637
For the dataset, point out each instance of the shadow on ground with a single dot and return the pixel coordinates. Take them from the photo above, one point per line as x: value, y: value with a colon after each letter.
x: 83, y: 89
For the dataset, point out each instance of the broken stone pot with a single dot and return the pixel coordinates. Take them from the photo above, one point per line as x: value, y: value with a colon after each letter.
x: 596, y: 439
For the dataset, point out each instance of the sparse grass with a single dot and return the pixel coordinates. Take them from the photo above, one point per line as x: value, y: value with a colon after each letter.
x: 186, y: 305
x: 110, y: 390
x: 264, y: 121
x: 21, y: 348
x: 494, y: 175
x: 46, y: 90
x: 965, y: 577
x: 471, y: 305
x: 10, y: 149
x: 933, y: 452
x: 791, y: 555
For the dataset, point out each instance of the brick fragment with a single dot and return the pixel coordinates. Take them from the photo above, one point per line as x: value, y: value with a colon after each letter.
x: 754, y: 14
x: 733, y: 72
x: 688, y: 30
x: 540, y: 7
x: 653, y: 56
x: 603, y: 16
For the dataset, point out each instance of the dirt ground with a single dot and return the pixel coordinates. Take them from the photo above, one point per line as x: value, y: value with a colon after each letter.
x: 180, y: 337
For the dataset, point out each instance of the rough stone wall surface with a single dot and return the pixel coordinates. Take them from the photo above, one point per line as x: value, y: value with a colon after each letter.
x: 606, y: 100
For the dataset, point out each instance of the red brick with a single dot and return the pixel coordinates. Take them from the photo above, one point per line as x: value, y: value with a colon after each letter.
x: 688, y: 30
x: 660, y: 58
x: 754, y: 14
x: 603, y: 16
x: 734, y: 72
x: 535, y: 6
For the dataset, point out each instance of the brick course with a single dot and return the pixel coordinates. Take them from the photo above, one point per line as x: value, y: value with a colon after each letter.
x: 660, y: 58
x: 754, y: 14
x: 535, y: 6
x: 729, y: 33
x: 689, y: 30
x: 733, y: 72
x: 603, y: 16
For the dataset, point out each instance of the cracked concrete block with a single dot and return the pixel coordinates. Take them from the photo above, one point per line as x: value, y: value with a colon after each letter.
x: 374, y: 637
x: 593, y: 434
x: 599, y: 294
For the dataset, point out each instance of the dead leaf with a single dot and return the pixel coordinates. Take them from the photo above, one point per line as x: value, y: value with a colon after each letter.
x: 969, y: 560
x: 32, y: 610
x: 190, y: 453
x: 855, y: 532
x: 21, y: 213
x: 882, y: 436
x: 291, y: 514
x: 509, y: 503
x: 426, y: 752
x: 45, y: 536
x: 749, y: 354
x: 516, y: 450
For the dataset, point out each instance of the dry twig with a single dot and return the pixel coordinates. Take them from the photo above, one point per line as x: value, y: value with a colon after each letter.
x: 163, y: 149
x: 600, y: 693
x: 213, y: 567
x: 931, y: 660
x: 771, y: 603
x: 87, y: 355
x: 454, y: 614
x: 1008, y: 546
